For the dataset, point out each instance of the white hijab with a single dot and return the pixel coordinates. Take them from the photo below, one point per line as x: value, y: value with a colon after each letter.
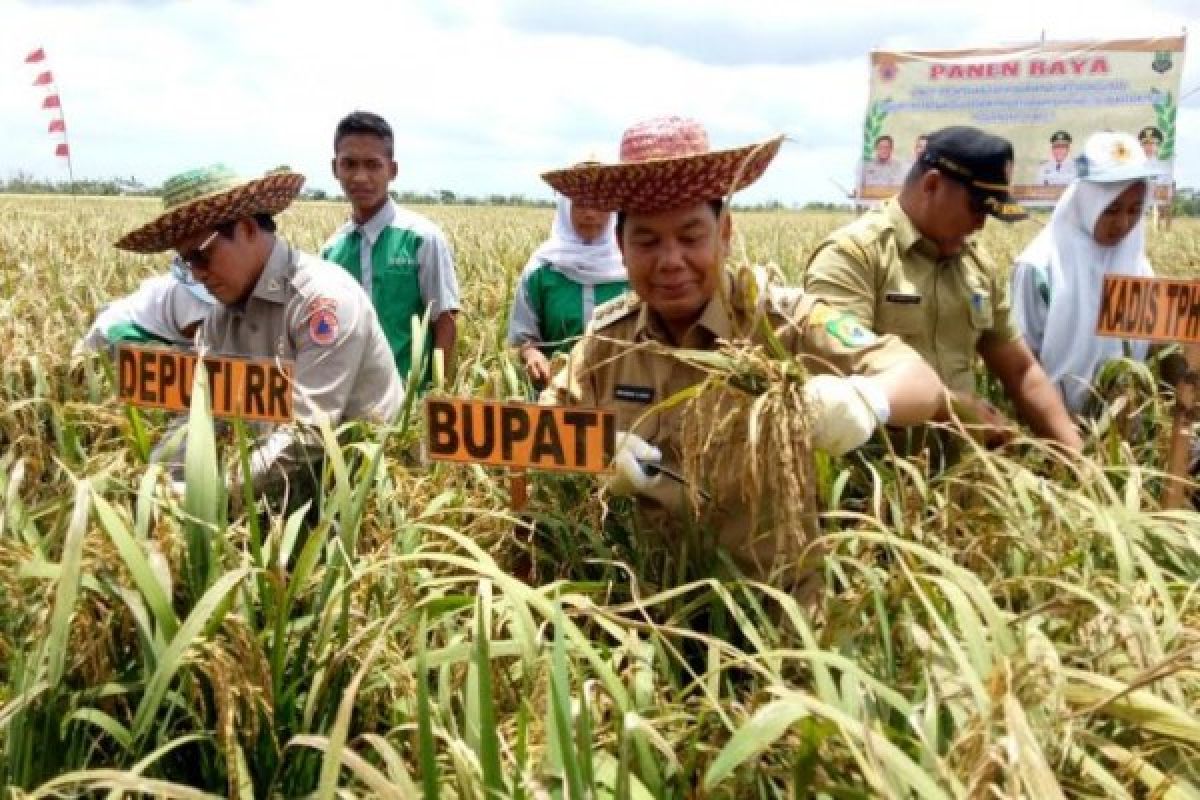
x: 585, y: 263
x: 1075, y: 265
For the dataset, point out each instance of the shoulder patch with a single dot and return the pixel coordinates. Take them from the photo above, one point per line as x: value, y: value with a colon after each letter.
x: 846, y: 328
x: 323, y: 327
x: 616, y: 309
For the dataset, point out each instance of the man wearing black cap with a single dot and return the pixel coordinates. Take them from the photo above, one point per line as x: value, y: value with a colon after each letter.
x: 1058, y: 170
x: 909, y: 269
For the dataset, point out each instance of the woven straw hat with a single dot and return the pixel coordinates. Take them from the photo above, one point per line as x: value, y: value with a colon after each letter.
x: 665, y: 163
x: 201, y: 199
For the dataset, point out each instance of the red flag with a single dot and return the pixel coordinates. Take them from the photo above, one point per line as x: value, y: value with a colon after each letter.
x: 57, y: 126
x: 62, y: 150
x: 51, y: 101
x: 45, y: 79
x: 36, y: 56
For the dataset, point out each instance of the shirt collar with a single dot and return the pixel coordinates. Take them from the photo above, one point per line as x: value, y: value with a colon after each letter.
x: 272, y: 283
x: 381, y: 219
x: 907, y: 235
x: 713, y: 323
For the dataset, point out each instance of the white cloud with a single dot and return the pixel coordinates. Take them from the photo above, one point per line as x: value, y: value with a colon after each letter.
x: 484, y: 95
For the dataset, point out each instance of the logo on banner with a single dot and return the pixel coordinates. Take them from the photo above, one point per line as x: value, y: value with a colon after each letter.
x: 1162, y: 62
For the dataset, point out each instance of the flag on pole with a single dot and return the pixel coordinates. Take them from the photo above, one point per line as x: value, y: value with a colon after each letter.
x: 36, y: 56
x: 57, y: 126
x: 51, y: 101
x: 62, y: 150
x: 44, y: 79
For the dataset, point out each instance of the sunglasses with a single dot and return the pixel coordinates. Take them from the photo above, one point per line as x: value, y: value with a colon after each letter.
x: 198, y: 258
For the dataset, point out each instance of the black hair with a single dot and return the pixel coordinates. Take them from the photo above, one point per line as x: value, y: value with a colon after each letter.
x: 887, y: 136
x: 717, y: 204
x: 265, y: 223
x: 364, y: 122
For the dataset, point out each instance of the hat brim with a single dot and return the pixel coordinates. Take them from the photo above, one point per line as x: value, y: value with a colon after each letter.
x: 269, y: 194
x: 1133, y: 172
x: 664, y: 184
x: 1003, y: 207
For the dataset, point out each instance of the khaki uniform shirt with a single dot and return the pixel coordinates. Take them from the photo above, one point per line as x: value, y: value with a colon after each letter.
x: 311, y: 312
x: 608, y: 369
x: 880, y: 269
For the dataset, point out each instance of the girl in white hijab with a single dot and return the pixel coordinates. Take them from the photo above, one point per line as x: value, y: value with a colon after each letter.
x: 1097, y: 229
x: 576, y: 269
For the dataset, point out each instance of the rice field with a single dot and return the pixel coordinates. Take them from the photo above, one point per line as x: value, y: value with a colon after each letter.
x: 1017, y: 625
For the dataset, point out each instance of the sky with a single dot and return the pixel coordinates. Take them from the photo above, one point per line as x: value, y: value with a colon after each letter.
x: 486, y: 94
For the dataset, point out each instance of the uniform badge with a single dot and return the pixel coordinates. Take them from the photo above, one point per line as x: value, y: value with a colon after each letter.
x: 849, y: 331
x: 323, y: 327
x: 633, y: 394
x: 821, y: 314
x: 320, y: 303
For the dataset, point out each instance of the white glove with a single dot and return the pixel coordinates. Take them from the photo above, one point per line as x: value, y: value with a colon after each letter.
x: 845, y: 411
x: 630, y: 476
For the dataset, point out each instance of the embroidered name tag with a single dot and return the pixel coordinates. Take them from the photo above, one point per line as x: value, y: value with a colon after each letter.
x: 903, y: 299
x: 633, y: 394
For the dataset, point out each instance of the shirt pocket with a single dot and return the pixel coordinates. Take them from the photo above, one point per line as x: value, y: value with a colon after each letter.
x: 979, y: 309
x: 901, y: 313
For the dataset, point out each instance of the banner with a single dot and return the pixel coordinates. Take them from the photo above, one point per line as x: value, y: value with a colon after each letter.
x: 1046, y: 98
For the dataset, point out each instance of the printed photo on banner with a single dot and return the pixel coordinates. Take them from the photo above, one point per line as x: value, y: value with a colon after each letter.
x: 1046, y: 98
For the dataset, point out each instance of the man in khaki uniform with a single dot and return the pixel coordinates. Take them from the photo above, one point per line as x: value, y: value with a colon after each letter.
x: 909, y: 270
x: 276, y: 301
x: 674, y: 237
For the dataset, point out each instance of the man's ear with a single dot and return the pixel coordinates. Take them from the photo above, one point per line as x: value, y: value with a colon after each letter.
x: 394, y: 171
x: 333, y: 166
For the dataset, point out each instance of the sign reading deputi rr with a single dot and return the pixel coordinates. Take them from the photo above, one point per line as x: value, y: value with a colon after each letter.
x: 1155, y: 309
x: 253, y: 389
x: 521, y: 435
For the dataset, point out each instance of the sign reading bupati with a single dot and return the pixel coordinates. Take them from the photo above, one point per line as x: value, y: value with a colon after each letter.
x: 1045, y: 98
x: 156, y: 377
x: 522, y: 435
x: 1154, y: 309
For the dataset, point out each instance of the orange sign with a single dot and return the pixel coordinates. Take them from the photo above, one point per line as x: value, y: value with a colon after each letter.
x: 157, y: 377
x: 1156, y: 309
x: 521, y: 435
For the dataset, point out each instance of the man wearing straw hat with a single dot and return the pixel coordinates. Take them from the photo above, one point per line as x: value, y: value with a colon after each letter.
x: 275, y: 301
x: 674, y: 233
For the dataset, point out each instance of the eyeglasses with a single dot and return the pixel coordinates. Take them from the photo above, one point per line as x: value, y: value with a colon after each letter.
x: 198, y: 258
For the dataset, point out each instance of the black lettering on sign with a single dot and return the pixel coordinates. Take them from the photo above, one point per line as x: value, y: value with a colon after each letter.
x: 187, y: 375
x: 483, y: 445
x: 1108, y: 304
x: 254, y: 401
x: 278, y: 395
x: 580, y: 421
x: 610, y: 437
x: 514, y: 426
x: 443, y: 438
x: 633, y: 394
x: 146, y: 393
x: 167, y: 373
x: 546, y: 441
x: 127, y: 368
x: 1193, y: 326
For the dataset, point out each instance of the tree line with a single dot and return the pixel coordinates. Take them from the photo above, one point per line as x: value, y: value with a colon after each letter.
x: 1186, y: 202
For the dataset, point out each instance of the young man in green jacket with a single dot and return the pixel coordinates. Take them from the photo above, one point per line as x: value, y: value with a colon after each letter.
x: 401, y: 258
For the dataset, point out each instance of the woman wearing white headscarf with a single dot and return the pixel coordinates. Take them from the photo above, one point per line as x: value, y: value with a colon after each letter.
x: 1097, y: 229
x: 576, y: 269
